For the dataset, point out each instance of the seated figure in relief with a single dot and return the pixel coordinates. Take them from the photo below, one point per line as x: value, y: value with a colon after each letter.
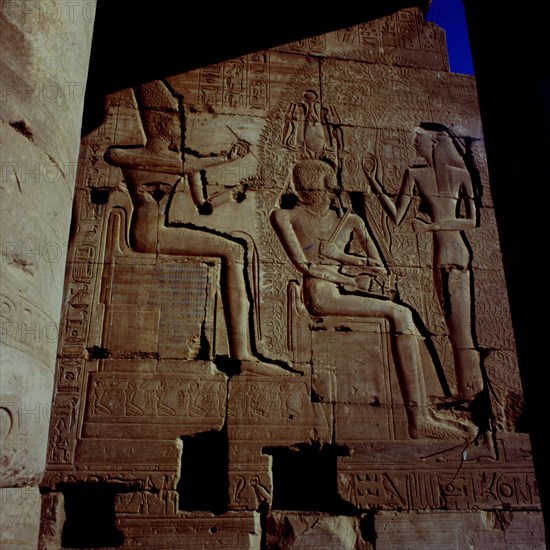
x: 338, y: 283
x: 151, y: 172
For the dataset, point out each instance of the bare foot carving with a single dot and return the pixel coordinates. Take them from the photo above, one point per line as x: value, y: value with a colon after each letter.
x: 430, y: 426
x: 256, y: 367
x: 430, y: 429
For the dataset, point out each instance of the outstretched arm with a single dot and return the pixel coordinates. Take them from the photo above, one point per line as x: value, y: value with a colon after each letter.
x: 458, y: 224
x: 395, y: 210
x: 195, y: 163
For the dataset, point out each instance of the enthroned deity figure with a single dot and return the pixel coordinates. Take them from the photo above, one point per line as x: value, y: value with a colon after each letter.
x: 336, y: 282
x: 151, y: 172
x: 444, y: 184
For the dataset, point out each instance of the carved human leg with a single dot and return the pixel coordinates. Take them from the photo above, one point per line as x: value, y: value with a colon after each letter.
x: 454, y: 293
x: 323, y: 298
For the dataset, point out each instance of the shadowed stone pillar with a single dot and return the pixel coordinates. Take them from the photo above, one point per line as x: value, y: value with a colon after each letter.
x: 46, y: 48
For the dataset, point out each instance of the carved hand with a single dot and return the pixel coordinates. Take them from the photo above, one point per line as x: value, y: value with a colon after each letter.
x: 369, y: 165
x: 370, y: 168
x: 420, y: 226
x: 328, y: 249
x: 363, y: 282
x: 238, y: 150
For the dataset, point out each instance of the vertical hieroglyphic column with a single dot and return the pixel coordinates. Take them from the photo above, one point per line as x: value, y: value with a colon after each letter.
x: 46, y: 47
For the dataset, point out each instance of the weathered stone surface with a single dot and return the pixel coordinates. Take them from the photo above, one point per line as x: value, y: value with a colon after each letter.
x: 53, y: 518
x: 264, y: 415
x: 406, y: 39
x: 19, y: 527
x: 25, y: 416
x: 285, y: 299
x: 309, y: 531
x: 407, y: 531
x: 193, y: 530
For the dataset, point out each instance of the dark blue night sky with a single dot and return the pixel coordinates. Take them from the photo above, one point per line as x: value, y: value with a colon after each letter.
x: 449, y: 15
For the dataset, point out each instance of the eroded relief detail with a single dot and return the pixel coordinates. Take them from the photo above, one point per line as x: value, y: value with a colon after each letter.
x: 315, y: 241
x: 285, y: 297
x: 403, y: 38
x: 445, y: 185
x: 150, y: 173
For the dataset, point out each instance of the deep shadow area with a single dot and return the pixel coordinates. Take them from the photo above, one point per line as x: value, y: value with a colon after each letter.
x: 90, y: 516
x: 509, y: 42
x: 138, y: 42
x: 204, y: 483
x: 367, y: 528
x: 305, y: 478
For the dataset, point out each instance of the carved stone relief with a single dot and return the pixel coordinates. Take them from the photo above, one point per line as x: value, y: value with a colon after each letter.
x: 289, y: 258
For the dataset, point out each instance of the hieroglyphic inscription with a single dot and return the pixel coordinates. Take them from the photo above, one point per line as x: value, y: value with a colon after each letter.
x: 267, y: 413
x: 163, y: 503
x: 63, y: 429
x: 120, y: 405
x: 404, y: 29
x: 285, y: 402
x: 82, y: 269
x: 241, y: 83
x: 153, y: 289
x: 424, y: 490
x: 404, y: 38
x: 313, y: 44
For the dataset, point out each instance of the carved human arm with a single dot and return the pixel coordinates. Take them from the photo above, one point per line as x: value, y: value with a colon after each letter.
x: 194, y: 162
x: 470, y: 207
x: 395, y: 210
x: 451, y: 222
x: 335, y: 249
x: 459, y: 224
x: 282, y: 223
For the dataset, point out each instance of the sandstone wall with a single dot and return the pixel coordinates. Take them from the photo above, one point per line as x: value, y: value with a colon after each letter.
x: 286, y: 320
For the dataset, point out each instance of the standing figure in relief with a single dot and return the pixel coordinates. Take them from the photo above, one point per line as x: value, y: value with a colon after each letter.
x: 315, y: 238
x: 444, y: 185
x: 151, y: 172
